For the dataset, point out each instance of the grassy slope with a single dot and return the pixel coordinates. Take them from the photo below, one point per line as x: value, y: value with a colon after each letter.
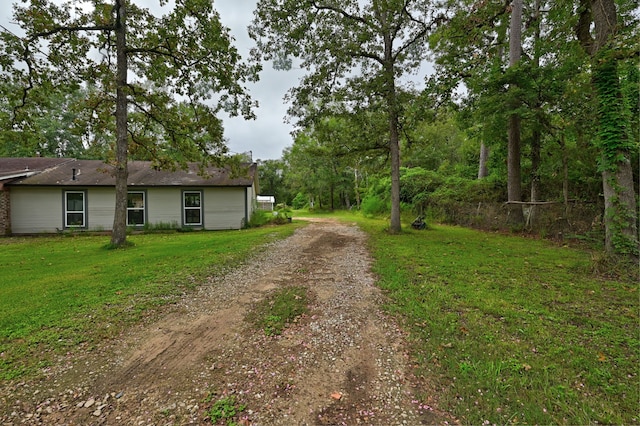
x: 513, y: 330
x: 60, y: 292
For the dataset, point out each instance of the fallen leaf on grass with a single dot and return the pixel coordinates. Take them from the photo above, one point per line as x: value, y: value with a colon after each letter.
x: 336, y: 396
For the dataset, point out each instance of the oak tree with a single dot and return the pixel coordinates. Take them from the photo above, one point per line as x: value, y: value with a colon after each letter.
x: 152, y: 67
x: 355, y: 52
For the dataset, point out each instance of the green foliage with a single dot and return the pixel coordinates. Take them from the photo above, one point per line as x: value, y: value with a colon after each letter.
x: 279, y: 216
x: 67, y: 305
x: 372, y: 206
x: 613, y: 138
x: 185, y: 52
x: 377, y: 199
x: 456, y: 189
x: 224, y: 410
x: 416, y: 186
x: 300, y: 201
x: 279, y: 309
x: 272, y: 175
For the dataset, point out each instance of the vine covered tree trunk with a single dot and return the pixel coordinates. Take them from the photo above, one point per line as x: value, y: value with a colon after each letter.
x: 620, y: 214
x: 621, y: 233
x: 119, y: 233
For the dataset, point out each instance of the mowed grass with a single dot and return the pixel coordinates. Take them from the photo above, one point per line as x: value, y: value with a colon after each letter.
x: 67, y: 293
x: 508, y: 330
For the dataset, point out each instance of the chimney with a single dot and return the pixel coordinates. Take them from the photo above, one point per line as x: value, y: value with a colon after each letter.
x: 73, y: 174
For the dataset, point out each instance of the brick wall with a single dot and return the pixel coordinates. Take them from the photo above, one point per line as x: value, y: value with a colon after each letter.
x: 5, y: 217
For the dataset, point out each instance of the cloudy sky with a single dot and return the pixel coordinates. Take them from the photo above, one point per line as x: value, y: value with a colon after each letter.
x: 268, y: 134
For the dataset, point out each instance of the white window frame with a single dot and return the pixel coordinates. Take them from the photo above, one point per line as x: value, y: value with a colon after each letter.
x: 67, y: 212
x: 143, y: 208
x: 186, y: 208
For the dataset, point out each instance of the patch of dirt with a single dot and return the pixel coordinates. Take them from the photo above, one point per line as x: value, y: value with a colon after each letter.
x: 343, y: 363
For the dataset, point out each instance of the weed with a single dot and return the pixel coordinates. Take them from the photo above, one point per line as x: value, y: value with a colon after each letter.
x: 281, y: 308
x: 224, y: 410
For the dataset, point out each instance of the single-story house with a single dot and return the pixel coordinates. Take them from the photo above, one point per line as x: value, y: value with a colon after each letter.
x: 266, y: 202
x: 40, y: 195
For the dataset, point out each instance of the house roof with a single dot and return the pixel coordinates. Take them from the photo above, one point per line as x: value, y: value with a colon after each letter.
x: 72, y: 172
x: 265, y: 198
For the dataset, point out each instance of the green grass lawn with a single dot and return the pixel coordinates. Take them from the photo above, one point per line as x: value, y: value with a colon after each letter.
x: 502, y: 329
x: 513, y: 330
x: 61, y: 293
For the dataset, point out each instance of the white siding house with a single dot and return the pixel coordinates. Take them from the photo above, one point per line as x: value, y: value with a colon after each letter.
x: 38, y: 196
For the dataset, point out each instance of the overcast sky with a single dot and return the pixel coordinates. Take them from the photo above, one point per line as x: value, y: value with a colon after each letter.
x: 268, y: 134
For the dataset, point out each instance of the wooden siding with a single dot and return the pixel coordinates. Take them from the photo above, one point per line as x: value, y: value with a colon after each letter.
x: 100, y: 210
x: 164, y: 205
x: 224, y: 208
x: 35, y: 210
x: 40, y: 209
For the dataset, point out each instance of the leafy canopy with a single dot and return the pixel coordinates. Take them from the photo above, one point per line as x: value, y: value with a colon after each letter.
x: 182, y: 71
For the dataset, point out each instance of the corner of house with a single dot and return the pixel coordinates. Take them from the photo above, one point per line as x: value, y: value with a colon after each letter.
x: 5, y: 217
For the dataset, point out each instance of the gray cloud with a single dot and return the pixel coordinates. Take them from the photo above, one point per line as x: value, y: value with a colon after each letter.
x: 268, y: 135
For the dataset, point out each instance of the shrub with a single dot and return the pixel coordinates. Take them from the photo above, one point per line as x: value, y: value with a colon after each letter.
x: 373, y: 205
x: 300, y: 201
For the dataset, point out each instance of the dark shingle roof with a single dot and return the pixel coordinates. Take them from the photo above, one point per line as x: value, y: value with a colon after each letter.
x: 60, y: 172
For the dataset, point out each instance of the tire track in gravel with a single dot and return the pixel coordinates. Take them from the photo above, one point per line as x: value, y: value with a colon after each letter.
x: 344, y: 363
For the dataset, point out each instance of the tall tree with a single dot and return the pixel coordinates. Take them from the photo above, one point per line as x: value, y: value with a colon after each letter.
x: 138, y: 62
x: 272, y: 175
x: 353, y: 50
x: 514, y: 176
x: 608, y: 49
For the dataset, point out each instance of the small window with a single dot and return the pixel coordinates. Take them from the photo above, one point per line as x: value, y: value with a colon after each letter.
x: 74, y: 209
x: 192, y: 202
x: 135, y: 208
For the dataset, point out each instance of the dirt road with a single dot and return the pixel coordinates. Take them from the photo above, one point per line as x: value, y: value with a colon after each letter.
x: 344, y: 363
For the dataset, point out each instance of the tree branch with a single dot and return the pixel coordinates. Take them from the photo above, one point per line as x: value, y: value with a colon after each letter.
x: 342, y: 12
x: 71, y: 29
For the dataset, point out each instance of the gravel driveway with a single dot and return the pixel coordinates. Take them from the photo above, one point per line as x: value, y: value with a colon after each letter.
x: 343, y: 363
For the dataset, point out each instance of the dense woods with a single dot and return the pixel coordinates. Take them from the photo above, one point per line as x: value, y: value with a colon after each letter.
x: 529, y: 122
x: 527, y: 118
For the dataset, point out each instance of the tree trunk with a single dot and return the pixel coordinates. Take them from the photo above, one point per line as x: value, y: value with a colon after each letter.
x: 394, y: 134
x: 394, y: 147
x: 620, y: 215
x: 565, y: 175
x: 514, y: 178
x: 331, y: 195
x: 483, y: 171
x: 119, y: 233
x: 535, y: 177
x: 357, y: 188
x: 536, y: 137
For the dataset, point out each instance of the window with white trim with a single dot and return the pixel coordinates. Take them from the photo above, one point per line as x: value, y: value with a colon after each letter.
x: 192, y: 206
x: 135, y: 208
x: 75, y: 209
